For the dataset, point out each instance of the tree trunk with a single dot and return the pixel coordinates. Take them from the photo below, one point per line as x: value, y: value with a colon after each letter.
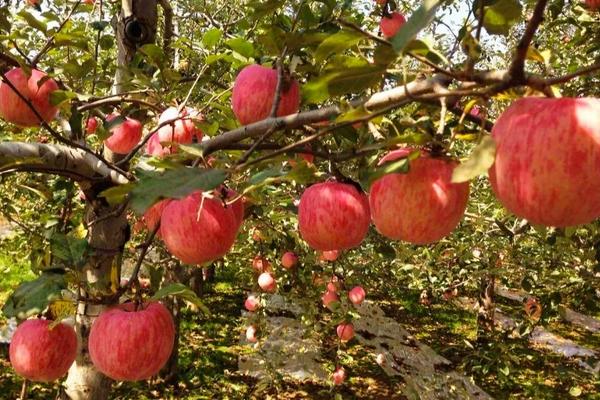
x: 135, y: 26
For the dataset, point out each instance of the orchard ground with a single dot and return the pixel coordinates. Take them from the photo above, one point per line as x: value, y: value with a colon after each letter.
x: 208, y: 360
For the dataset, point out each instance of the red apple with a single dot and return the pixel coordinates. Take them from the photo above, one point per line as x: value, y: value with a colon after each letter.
x: 267, y: 282
x: 357, y: 295
x: 261, y: 264
x: 152, y: 215
x: 334, y: 284
x: 390, y: 25
x: 38, y: 353
x: 330, y: 255
x: 197, y: 230
x: 329, y: 297
x: 182, y: 131
x: 257, y: 235
x: 333, y: 216
x: 13, y: 109
x: 345, y: 331
x: 339, y: 376
x: 124, y: 136
x: 91, y: 125
x: 592, y: 4
x: 126, y: 344
x: 289, y: 260
x: 547, y: 167
x: 252, y: 303
x: 254, y: 91
x: 251, y: 334
x: 421, y: 206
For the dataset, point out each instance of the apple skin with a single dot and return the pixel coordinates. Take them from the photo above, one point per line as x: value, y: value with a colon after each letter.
x: 339, y: 376
x: 357, y: 295
x: 333, y: 216
x: 547, y: 167
x: 197, y: 236
x: 261, y: 264
x: 182, y: 131
x: 592, y: 4
x: 390, y: 25
x: 91, y: 125
x: 421, y: 206
x: 40, y: 354
x: 252, y: 303
x: 125, y: 136
x: 329, y: 297
x: 289, y: 260
x: 330, y: 255
x: 130, y: 345
x: 15, y: 110
x: 267, y: 282
x: 345, y: 332
x: 152, y: 216
x: 254, y: 92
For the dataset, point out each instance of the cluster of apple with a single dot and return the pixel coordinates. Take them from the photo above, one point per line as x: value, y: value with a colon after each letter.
x: 126, y: 342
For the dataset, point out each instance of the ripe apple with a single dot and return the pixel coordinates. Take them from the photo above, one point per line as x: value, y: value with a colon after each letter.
x: 345, y: 331
x: 152, y: 215
x: 357, y: 295
x: 329, y: 297
x: 41, y: 354
x: 592, y: 4
x: 339, y: 376
x: 91, y: 125
x: 254, y: 92
x: 182, y: 130
x: 267, y: 282
x: 334, y: 284
x: 333, y: 216
x: 289, y: 260
x: 198, y: 230
x: 261, y: 264
x: 251, y: 334
x: 126, y: 344
x: 421, y: 206
x: 14, y: 110
x: 390, y: 25
x: 252, y: 303
x: 330, y: 255
x: 124, y: 136
x: 547, y: 167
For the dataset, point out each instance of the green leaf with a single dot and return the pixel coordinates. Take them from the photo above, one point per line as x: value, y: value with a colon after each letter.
x: 33, y: 21
x: 211, y: 38
x: 59, y: 97
x: 424, y: 48
x: 31, y: 298
x: 241, y: 46
x: 69, y: 249
x: 401, y: 166
x: 260, y: 177
x: 337, y: 43
x: 184, y: 292
x: 154, y: 53
x: 99, y: 25
x: 481, y: 159
x: 175, y: 183
x: 76, y: 39
x: 500, y: 16
x: 415, y: 24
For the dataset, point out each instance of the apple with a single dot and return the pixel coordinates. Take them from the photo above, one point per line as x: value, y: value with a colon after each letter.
x: 257, y: 235
x: 357, y: 295
x: 391, y: 24
x: 339, y: 376
x: 254, y: 92
x: 289, y: 260
x: 547, y: 167
x: 14, y: 110
x: 334, y: 284
x: 251, y: 334
x: 592, y: 4
x: 197, y: 230
x: 182, y: 130
x: 261, y: 264
x: 41, y: 354
x: 330, y: 255
x: 252, y: 303
x: 91, y: 125
x: 345, y: 331
x: 129, y: 344
x: 124, y: 136
x: 267, y: 282
x: 421, y: 206
x: 333, y: 216
x: 152, y: 216
x: 329, y: 297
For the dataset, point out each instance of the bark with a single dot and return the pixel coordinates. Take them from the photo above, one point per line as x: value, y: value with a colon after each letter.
x: 135, y: 26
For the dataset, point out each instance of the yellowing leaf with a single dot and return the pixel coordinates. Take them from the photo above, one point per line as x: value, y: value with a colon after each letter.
x: 61, y: 309
x: 481, y: 159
